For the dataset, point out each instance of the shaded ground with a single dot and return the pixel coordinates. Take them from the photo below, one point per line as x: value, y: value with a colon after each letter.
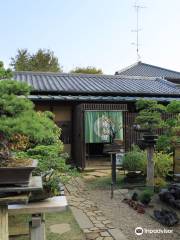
x: 121, y: 215
x: 52, y: 219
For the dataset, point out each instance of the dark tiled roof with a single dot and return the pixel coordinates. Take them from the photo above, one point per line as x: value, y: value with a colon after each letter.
x: 143, y: 69
x: 90, y: 98
x: 96, y: 84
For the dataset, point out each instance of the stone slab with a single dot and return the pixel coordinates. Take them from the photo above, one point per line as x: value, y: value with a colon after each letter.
x: 81, y: 218
x: 55, y: 204
x: 60, y: 228
x: 117, y: 234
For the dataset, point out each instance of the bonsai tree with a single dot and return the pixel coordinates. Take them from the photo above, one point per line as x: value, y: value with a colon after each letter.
x: 149, y: 119
x: 171, y: 133
x: 18, y: 117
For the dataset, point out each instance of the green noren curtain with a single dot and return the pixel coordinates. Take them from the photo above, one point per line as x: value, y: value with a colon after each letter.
x: 98, y: 124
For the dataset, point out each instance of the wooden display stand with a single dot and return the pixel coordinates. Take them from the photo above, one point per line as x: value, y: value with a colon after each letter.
x: 37, y: 211
x: 14, y: 195
x: 18, y: 204
x: 4, y: 202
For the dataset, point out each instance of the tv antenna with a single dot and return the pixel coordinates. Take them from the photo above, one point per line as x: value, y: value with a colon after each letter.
x: 137, y: 30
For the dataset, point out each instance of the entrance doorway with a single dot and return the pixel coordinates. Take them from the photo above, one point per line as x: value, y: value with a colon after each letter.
x: 95, y: 157
x: 99, y: 127
x: 85, y: 148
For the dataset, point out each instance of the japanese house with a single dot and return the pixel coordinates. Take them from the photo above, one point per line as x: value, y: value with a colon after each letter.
x: 85, y: 106
x: 148, y: 70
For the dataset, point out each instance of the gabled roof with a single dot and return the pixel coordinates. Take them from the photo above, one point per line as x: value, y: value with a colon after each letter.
x: 60, y: 83
x: 143, y: 69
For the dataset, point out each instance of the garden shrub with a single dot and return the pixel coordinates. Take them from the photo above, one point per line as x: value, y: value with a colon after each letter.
x: 164, y: 144
x: 135, y: 160
x: 159, y: 182
x: 26, y: 133
x: 145, y: 196
x: 163, y: 164
x: 50, y: 157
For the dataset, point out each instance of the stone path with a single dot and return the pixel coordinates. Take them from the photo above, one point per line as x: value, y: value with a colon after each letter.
x: 90, y: 219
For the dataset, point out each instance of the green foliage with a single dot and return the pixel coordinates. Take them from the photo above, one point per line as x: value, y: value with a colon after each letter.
x: 145, y: 196
x: 150, y: 105
x: 145, y: 104
x: 10, y: 87
x: 50, y: 157
x: 43, y: 60
x: 164, y: 144
x: 38, y: 127
x: 87, y: 70
x: 149, y: 117
x: 51, y: 183
x: 172, y: 126
x: 163, y: 164
x: 4, y: 74
x: 174, y: 107
x: 160, y: 182
x: 135, y: 160
x: 18, y: 117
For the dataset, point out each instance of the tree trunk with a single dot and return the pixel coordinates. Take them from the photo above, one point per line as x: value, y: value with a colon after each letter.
x: 150, y: 167
x: 5, y: 153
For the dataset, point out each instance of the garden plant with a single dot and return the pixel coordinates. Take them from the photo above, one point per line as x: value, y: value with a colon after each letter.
x: 26, y: 134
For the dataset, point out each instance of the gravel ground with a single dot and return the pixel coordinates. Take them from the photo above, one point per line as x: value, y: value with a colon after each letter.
x: 127, y: 219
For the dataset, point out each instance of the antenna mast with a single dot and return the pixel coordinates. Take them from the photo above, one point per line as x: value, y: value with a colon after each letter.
x: 137, y: 30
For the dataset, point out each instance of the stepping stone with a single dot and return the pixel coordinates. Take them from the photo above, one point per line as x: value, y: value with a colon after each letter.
x: 105, y: 234
x: 89, y: 177
x: 99, y: 225
x: 117, y: 234
x: 60, y: 228
x: 122, y: 191
x: 101, y: 218
x: 81, y: 218
x: 107, y: 222
x: 92, y: 235
x: 98, y: 174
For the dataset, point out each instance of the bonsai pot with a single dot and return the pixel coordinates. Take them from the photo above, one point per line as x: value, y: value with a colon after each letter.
x: 19, y: 176
x: 149, y: 139
x: 134, y: 177
x: 146, y: 201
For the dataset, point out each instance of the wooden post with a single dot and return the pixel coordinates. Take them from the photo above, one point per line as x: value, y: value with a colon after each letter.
x: 113, y: 168
x: 37, y: 227
x: 150, y: 167
x: 4, y: 234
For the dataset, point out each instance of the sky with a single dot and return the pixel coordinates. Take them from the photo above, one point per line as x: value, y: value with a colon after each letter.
x: 92, y: 32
